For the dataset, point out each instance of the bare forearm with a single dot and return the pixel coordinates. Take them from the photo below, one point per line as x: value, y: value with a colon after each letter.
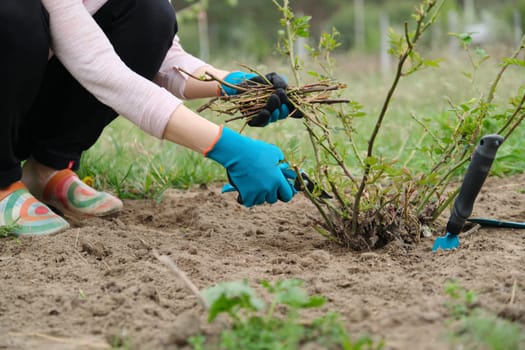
x: 202, y: 89
x: 190, y: 130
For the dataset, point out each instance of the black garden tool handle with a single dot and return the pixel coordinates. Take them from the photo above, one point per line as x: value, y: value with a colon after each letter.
x: 475, y: 176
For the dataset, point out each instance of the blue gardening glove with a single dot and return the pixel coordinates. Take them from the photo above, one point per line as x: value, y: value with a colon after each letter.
x: 278, y: 105
x: 235, y: 78
x: 255, y: 169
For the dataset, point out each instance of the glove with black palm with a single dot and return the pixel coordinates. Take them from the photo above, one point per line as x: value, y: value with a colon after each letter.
x: 278, y: 105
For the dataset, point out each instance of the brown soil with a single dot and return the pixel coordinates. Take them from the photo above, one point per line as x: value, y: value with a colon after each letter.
x: 100, y: 281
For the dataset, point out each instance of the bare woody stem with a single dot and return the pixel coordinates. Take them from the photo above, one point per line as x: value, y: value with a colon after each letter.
x: 420, y: 27
x: 212, y: 78
x: 511, y: 119
x: 313, y: 200
x: 502, y: 70
x: 515, y: 125
x: 290, y: 39
x: 508, y: 128
x: 371, y: 141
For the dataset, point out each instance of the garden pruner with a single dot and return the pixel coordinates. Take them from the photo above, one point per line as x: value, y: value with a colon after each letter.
x: 309, y: 185
x: 477, y: 172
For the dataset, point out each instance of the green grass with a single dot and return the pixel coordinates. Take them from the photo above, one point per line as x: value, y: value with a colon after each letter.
x: 135, y: 165
x: 8, y: 230
x: 472, y: 327
x: 276, y: 325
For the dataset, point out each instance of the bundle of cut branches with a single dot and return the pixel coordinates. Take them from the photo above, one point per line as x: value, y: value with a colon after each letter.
x: 253, y: 96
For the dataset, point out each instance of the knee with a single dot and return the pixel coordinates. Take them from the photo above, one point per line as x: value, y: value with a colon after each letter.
x: 159, y: 19
x: 24, y: 27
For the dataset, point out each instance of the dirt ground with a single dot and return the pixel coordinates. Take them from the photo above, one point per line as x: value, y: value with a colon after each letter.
x: 99, y: 280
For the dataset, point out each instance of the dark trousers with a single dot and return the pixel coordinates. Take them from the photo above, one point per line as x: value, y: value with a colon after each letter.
x: 44, y: 112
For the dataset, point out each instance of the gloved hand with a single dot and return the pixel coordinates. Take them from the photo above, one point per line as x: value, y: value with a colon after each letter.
x: 278, y: 105
x: 255, y: 169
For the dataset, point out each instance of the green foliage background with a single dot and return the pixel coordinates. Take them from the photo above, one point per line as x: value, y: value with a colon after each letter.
x: 249, y: 26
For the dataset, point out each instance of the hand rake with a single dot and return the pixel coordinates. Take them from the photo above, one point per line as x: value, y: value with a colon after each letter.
x: 475, y: 176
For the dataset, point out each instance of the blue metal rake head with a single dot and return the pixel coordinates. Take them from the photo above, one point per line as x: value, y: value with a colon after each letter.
x: 447, y: 242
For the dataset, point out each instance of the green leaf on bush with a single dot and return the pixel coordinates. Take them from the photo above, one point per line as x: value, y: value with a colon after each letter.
x: 290, y: 292
x: 465, y: 38
x: 514, y: 62
x: 230, y: 296
x: 301, y: 26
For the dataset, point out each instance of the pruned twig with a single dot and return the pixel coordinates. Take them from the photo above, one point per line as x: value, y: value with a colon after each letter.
x: 182, y: 275
x: 254, y: 96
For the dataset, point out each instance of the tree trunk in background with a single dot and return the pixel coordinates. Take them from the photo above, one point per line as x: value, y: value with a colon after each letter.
x: 384, y: 57
x: 300, y: 49
x: 453, y: 27
x: 518, y: 33
x: 470, y: 12
x: 359, y: 24
x: 436, y: 37
x: 204, y: 38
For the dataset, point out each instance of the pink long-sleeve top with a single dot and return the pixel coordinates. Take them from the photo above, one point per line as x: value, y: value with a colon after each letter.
x: 87, y: 54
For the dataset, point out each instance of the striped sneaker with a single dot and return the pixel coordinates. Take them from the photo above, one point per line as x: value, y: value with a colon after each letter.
x: 69, y: 195
x: 23, y: 213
